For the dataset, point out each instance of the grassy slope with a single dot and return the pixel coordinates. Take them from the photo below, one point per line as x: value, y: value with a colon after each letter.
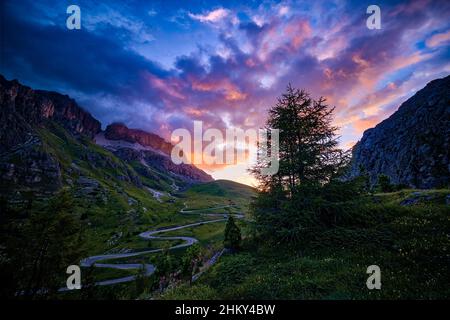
x: 117, y: 210
x: 217, y: 193
x: 116, y: 215
x: 410, y: 244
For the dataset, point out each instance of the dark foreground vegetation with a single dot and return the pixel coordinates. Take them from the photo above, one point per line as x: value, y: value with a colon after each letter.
x: 409, y: 242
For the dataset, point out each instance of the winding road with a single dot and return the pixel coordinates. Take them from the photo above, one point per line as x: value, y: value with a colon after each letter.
x: 149, y: 235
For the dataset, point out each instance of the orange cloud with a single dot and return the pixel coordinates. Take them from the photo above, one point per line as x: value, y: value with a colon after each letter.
x: 234, y: 95
x: 298, y: 31
x: 193, y: 111
x: 230, y: 91
x: 349, y: 144
x: 363, y: 124
x: 356, y: 58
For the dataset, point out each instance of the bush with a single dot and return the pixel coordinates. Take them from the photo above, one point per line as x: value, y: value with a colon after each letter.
x: 384, y: 183
x: 311, y: 209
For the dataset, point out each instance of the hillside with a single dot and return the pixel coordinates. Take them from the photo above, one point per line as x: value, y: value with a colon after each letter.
x: 219, y: 192
x: 144, y: 227
x: 317, y: 239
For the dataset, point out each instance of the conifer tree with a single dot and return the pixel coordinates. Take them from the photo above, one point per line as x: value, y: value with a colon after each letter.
x: 232, y: 238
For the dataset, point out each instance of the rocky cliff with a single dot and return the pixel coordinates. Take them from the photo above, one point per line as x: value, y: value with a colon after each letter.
x: 412, y: 146
x: 118, y: 131
x: 23, y: 109
x: 149, y: 149
x: 25, y: 163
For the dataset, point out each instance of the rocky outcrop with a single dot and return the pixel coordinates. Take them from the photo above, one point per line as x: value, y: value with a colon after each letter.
x: 22, y: 109
x: 148, y: 148
x: 163, y: 163
x: 118, y: 131
x: 26, y: 167
x: 412, y: 146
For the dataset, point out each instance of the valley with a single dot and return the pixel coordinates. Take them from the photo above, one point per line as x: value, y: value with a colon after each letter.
x: 96, y: 261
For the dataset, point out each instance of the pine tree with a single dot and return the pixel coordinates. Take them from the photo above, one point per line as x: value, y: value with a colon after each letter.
x: 308, y: 150
x: 232, y: 238
x: 309, y: 159
x: 191, y: 261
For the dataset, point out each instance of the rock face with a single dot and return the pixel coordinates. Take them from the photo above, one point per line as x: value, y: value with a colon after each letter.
x: 149, y: 149
x: 23, y: 108
x: 412, y: 146
x: 118, y: 131
x: 29, y: 169
x: 163, y: 163
x: 25, y: 166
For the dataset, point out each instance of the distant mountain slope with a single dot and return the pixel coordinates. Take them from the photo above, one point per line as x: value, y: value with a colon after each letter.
x: 147, y: 150
x: 224, y: 188
x: 47, y: 142
x: 217, y: 193
x: 412, y: 146
x: 118, y: 131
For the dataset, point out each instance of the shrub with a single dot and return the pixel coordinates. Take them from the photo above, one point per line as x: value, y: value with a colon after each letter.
x: 384, y: 183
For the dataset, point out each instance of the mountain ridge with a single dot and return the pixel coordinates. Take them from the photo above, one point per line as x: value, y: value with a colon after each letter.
x: 119, y: 131
x: 22, y: 107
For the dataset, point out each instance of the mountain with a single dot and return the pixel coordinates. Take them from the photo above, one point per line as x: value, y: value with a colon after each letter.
x: 118, y: 131
x: 148, y: 149
x: 412, y: 146
x: 23, y: 109
x: 47, y: 142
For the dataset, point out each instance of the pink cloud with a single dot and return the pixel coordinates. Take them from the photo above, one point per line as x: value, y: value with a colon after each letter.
x: 438, y: 39
x: 224, y: 86
x: 169, y: 87
x: 347, y: 68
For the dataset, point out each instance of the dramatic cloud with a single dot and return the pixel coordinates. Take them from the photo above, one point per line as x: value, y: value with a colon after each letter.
x: 159, y: 66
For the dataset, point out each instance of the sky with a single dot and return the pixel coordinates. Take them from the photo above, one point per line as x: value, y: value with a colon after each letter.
x: 160, y: 65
